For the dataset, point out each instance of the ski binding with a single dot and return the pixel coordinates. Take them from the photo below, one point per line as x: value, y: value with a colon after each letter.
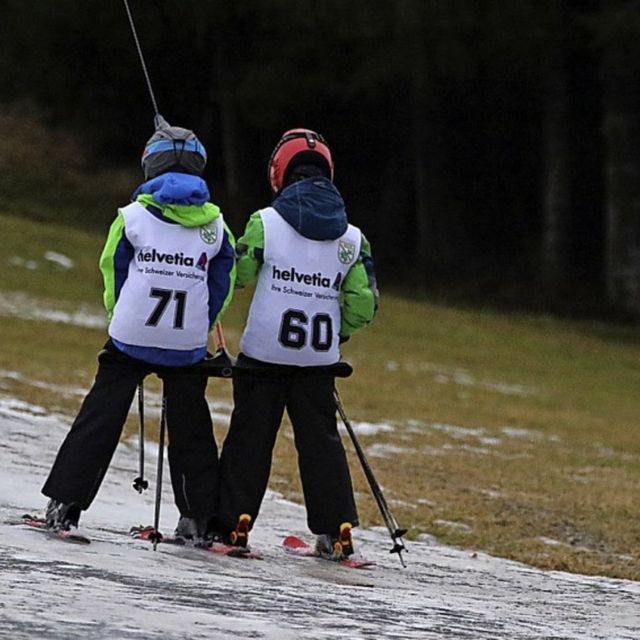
x: 148, y: 533
x: 39, y: 524
x: 298, y: 547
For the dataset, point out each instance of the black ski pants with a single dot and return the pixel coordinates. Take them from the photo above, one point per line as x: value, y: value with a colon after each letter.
x: 86, y: 452
x: 260, y: 399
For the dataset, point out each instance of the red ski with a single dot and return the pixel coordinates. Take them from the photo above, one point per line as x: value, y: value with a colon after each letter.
x: 298, y: 547
x: 146, y: 533
x: 39, y: 524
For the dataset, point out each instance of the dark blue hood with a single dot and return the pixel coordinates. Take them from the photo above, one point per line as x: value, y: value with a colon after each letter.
x: 314, y: 208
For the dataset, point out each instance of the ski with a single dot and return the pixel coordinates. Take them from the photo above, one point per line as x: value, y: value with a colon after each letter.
x: 298, y: 547
x: 220, y: 548
x: 39, y: 524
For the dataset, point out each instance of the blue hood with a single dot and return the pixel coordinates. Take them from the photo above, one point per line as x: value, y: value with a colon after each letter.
x: 175, y: 188
x: 314, y: 208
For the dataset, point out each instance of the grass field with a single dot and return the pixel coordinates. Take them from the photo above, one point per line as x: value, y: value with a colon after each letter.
x: 511, y: 434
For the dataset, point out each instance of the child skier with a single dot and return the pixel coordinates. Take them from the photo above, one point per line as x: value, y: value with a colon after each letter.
x: 315, y: 287
x: 168, y: 271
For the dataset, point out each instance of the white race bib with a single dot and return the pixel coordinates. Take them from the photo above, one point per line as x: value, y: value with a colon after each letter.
x: 295, y: 312
x: 164, y: 301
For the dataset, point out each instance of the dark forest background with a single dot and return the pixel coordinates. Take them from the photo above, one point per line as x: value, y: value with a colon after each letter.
x: 488, y: 148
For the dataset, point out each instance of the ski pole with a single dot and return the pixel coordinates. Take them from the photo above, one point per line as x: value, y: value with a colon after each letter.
x: 139, y: 483
x: 392, y: 525
x: 222, y: 355
x: 219, y: 337
x: 156, y: 536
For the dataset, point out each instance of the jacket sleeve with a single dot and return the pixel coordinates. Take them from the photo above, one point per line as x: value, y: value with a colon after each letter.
x: 250, y: 251
x: 221, y: 278
x: 359, y: 301
x: 114, y: 263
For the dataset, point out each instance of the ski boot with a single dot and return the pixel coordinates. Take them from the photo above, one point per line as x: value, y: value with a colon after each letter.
x: 335, y: 547
x: 186, y: 529
x: 199, y: 532
x: 60, y: 516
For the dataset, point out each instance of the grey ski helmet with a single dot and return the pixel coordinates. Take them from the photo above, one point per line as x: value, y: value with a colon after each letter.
x: 172, y: 149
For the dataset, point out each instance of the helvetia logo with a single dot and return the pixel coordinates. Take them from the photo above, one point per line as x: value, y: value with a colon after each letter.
x: 291, y: 275
x: 151, y: 255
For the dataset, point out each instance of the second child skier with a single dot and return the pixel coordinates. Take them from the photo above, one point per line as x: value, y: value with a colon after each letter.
x: 315, y: 287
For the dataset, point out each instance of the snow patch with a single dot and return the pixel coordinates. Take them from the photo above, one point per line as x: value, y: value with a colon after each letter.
x: 369, y: 428
x: 527, y: 434
x: 459, y: 526
x: 19, y: 305
x: 447, y: 375
x: 17, y: 261
x: 386, y: 450
x: 62, y: 390
x: 60, y: 259
x: 117, y: 587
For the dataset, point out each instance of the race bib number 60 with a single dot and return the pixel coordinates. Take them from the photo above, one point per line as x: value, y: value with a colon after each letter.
x: 296, y: 330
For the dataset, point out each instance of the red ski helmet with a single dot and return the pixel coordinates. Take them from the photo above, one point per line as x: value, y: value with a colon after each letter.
x: 298, y: 147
